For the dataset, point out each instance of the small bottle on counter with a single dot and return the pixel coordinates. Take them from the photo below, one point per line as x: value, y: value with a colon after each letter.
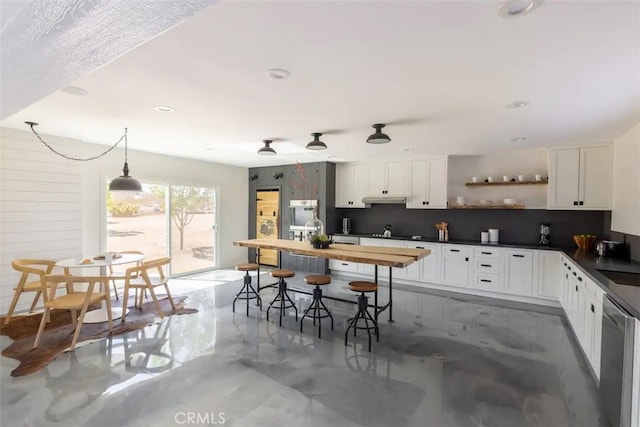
x: 441, y: 235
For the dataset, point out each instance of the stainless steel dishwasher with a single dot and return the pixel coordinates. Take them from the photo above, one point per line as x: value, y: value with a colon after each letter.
x: 616, y: 368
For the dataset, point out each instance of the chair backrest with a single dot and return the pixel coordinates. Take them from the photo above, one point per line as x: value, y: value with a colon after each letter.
x: 33, y: 266
x: 111, y: 269
x: 147, y: 266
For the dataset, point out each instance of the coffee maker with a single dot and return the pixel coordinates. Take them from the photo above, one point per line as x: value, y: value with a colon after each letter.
x: 545, y: 231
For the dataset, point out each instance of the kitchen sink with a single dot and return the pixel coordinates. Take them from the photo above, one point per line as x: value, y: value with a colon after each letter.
x: 622, y: 277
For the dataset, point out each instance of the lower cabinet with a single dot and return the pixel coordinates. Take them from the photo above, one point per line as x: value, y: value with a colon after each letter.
x: 546, y: 272
x: 428, y: 268
x: 518, y: 273
x: 456, y: 265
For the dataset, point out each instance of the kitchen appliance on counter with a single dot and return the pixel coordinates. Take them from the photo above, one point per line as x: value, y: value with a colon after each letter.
x: 346, y: 225
x: 387, y: 230
x: 300, y: 212
x: 616, y: 366
x: 610, y: 248
x: 545, y: 232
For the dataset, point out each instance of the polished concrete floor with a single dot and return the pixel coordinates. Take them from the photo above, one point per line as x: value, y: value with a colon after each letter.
x: 448, y: 360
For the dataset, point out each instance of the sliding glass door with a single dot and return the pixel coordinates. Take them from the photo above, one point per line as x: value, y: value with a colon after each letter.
x: 163, y: 220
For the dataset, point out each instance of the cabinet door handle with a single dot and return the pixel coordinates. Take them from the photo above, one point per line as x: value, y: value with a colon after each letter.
x: 566, y: 276
x: 593, y: 309
x: 485, y: 265
x: 427, y: 202
x: 486, y: 253
x: 344, y: 263
x: 565, y: 264
x: 518, y: 256
x: 575, y: 203
x: 569, y: 267
x: 576, y: 288
x: 260, y: 213
x: 424, y: 203
x: 274, y: 213
x: 485, y: 280
x: 575, y: 274
x: 419, y: 247
x: 454, y: 250
x: 581, y: 203
x: 580, y: 278
x: 467, y: 259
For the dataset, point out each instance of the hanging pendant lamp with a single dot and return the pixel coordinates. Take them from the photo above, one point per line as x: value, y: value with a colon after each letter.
x: 122, y: 183
x: 125, y: 182
x: 267, y: 150
x: 378, y: 137
x: 316, y: 144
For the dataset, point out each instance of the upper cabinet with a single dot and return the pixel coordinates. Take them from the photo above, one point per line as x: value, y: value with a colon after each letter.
x: 388, y: 179
x: 428, y: 184
x: 580, y: 178
x: 352, y: 183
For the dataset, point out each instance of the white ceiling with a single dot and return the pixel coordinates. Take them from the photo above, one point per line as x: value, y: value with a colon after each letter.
x: 439, y: 73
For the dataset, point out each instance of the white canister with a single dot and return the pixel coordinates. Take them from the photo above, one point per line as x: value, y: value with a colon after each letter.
x: 494, y: 235
x: 474, y: 179
x: 521, y: 178
x: 484, y: 237
x: 461, y: 200
x: 489, y: 179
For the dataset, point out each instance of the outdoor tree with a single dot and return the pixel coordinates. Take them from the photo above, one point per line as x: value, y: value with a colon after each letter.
x: 185, y: 203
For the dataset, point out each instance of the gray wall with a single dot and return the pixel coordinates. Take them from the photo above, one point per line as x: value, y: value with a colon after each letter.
x: 516, y: 226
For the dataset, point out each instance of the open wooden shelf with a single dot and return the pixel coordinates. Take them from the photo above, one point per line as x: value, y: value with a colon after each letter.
x: 486, y: 206
x: 485, y: 184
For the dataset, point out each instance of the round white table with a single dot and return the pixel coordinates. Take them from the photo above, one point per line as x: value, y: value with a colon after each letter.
x: 99, y: 316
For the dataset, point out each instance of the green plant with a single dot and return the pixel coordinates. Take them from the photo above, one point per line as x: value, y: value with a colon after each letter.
x: 122, y: 209
x: 319, y: 238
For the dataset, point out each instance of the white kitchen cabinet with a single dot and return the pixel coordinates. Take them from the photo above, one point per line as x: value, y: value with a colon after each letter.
x: 383, y: 272
x: 351, y: 185
x: 388, y: 179
x: 580, y: 178
x: 428, y: 184
x: 518, y: 276
x: 428, y: 268
x: 546, y: 274
x: 456, y: 265
x: 338, y: 265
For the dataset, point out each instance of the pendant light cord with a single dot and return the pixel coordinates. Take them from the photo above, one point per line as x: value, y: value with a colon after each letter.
x: 81, y: 159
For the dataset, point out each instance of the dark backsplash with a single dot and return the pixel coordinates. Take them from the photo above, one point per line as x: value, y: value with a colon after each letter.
x: 516, y: 226
x: 632, y: 241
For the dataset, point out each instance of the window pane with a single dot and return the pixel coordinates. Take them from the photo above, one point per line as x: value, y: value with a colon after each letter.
x: 192, y: 228
x: 137, y: 221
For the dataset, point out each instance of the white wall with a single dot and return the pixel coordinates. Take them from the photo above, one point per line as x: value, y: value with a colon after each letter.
x: 625, y: 216
x: 528, y: 163
x: 55, y: 208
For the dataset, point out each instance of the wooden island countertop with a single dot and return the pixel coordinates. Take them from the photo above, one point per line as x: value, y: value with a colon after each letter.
x: 378, y: 255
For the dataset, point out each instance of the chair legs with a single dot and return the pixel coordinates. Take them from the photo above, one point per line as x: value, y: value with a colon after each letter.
x: 364, y: 315
x: 317, y: 305
x: 282, y: 297
x: 247, y: 293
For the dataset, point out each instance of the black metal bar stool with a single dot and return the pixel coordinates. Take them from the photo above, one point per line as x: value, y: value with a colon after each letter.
x: 247, y: 292
x: 282, y: 297
x: 317, y: 305
x: 363, y: 313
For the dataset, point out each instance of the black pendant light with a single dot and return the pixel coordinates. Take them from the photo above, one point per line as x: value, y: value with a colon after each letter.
x: 125, y: 182
x: 316, y: 144
x: 267, y: 150
x: 378, y: 137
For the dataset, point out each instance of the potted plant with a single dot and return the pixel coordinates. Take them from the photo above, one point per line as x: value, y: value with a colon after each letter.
x: 320, y: 241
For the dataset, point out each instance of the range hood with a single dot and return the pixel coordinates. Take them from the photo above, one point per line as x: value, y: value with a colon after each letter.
x: 387, y: 199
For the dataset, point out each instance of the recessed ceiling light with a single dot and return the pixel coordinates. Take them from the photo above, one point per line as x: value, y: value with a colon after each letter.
x: 513, y: 8
x: 163, y: 108
x: 518, y: 104
x: 518, y: 139
x: 74, y: 90
x: 278, y: 74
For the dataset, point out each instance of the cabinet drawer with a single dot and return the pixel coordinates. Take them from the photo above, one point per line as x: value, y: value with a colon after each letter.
x: 592, y: 289
x: 459, y: 250
x: 337, y: 265
x: 487, y: 265
x: 489, y: 282
x: 486, y: 253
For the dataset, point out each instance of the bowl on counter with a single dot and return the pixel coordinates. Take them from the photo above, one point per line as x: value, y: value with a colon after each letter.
x: 585, y: 241
x: 509, y: 202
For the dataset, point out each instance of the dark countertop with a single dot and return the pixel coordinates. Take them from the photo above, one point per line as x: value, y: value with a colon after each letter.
x: 626, y: 296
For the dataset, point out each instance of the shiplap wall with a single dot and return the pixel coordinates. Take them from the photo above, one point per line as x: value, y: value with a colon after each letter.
x: 40, y: 206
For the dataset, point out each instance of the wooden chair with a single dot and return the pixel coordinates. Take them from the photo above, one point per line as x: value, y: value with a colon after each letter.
x: 74, y: 300
x: 115, y: 275
x: 36, y: 267
x: 139, y: 278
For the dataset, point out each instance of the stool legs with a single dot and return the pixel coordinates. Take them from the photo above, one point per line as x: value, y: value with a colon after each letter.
x: 282, y: 297
x: 247, y: 293
x: 317, y: 305
x: 363, y: 314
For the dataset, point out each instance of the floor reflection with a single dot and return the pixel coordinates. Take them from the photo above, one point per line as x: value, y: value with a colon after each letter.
x: 446, y: 361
